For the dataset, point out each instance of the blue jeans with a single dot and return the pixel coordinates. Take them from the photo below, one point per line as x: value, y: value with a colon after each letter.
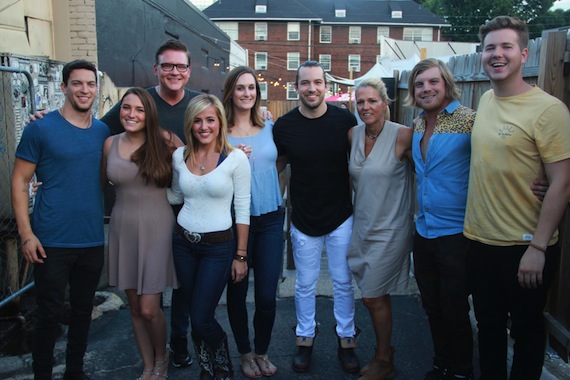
x: 202, y: 271
x: 265, y: 257
x: 440, y: 266
x: 307, y: 252
x: 497, y: 296
x: 179, y: 313
x: 81, y: 269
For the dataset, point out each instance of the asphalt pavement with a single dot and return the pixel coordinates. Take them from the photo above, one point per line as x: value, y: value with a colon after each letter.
x: 113, y: 354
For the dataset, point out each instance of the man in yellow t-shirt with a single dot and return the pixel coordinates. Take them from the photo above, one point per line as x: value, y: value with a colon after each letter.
x: 519, y: 132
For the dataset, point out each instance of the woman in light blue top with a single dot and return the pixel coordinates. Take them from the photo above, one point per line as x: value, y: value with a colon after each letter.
x: 247, y: 131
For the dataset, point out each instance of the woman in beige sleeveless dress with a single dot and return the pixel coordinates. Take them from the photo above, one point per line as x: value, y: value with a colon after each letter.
x: 380, y: 168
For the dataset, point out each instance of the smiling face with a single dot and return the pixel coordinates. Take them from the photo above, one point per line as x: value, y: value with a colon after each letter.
x: 502, y: 56
x: 80, y: 90
x: 429, y: 90
x: 172, y: 81
x: 312, y: 87
x: 132, y: 114
x: 206, y: 126
x: 370, y: 106
x: 244, y: 94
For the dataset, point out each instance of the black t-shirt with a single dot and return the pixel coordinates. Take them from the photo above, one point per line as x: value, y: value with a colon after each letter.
x: 318, y: 154
x: 170, y: 117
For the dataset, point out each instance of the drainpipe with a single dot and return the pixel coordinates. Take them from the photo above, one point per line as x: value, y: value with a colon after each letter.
x: 309, y: 41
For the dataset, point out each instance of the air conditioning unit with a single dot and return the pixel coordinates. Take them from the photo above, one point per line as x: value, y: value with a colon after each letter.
x: 355, y: 40
x: 262, y: 67
x: 262, y: 38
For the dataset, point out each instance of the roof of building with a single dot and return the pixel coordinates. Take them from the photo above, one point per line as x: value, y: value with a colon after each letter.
x: 373, y: 12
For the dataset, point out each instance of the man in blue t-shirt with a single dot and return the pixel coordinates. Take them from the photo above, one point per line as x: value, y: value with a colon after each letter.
x: 64, y: 239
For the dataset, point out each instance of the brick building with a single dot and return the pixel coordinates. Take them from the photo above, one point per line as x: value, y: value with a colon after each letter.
x: 343, y: 35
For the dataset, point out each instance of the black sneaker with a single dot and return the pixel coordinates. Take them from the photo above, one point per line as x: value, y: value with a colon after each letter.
x: 180, y: 357
x: 436, y: 374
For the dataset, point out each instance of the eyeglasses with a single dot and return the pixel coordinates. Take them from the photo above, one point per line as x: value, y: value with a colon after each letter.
x: 182, y: 68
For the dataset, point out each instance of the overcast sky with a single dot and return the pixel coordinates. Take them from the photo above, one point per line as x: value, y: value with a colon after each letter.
x: 561, y: 4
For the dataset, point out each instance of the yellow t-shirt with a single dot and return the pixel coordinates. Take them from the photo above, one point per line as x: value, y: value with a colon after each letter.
x: 512, y: 139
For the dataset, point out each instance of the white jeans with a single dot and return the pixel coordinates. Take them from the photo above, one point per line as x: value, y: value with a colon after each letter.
x: 307, y: 252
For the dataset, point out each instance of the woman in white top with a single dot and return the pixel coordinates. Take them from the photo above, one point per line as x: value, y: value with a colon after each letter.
x: 208, y: 174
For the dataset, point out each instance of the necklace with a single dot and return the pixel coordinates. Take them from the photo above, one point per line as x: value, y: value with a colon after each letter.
x: 371, y: 136
x: 248, y: 132
x: 202, y: 168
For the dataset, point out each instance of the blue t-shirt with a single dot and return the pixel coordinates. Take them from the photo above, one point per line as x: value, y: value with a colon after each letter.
x: 443, y: 177
x: 265, y: 190
x: 68, y: 211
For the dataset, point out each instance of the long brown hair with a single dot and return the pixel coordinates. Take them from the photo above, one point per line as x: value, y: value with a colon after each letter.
x: 229, y: 88
x: 154, y: 157
x: 197, y: 105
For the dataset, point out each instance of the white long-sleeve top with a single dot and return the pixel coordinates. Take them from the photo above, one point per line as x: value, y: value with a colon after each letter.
x: 208, y: 198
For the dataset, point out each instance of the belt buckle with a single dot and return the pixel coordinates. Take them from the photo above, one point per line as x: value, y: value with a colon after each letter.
x: 193, y: 237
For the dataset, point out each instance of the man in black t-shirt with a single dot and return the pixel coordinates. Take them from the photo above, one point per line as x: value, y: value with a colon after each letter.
x: 313, y: 138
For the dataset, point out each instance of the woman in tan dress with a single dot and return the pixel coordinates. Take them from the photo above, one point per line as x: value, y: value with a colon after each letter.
x: 380, y: 168
x: 139, y: 164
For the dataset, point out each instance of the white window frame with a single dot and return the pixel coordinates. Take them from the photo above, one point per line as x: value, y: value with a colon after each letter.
x: 382, y: 31
x: 261, y: 31
x: 340, y: 13
x: 261, y: 60
x: 291, y: 93
x: 261, y: 9
x: 293, y: 60
x: 293, y: 31
x: 418, y: 34
x: 326, y: 61
x: 354, y: 62
x: 231, y: 28
x: 397, y: 14
x: 354, y: 34
x: 263, y: 89
x: 325, y: 34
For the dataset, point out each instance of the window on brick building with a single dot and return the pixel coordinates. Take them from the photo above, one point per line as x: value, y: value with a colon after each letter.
x: 325, y: 60
x: 261, y: 61
x: 354, y: 35
x: 382, y: 31
x: 418, y: 34
x: 354, y: 62
x: 326, y: 34
x: 291, y: 93
x: 293, y: 31
x: 263, y: 90
x: 261, y: 31
x: 293, y: 61
x: 230, y: 28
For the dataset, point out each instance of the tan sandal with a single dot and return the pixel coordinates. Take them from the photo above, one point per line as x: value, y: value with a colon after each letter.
x: 249, y: 366
x: 267, y: 368
x: 160, y: 369
x: 144, y: 374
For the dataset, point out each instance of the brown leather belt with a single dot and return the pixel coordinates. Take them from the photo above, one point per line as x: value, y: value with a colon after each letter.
x: 205, y: 237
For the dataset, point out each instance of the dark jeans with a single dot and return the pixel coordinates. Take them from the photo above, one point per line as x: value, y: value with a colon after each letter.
x: 81, y: 269
x: 179, y: 313
x: 440, y: 266
x: 202, y: 271
x: 265, y: 257
x: 498, y: 296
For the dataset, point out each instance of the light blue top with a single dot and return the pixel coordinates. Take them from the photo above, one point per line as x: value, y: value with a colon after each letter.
x: 443, y: 177
x: 265, y: 191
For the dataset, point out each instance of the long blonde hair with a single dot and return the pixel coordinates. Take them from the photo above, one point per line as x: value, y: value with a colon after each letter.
x: 196, y: 106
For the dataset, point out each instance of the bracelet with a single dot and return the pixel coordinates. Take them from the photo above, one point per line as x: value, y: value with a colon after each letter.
x: 543, y: 250
x: 240, y: 258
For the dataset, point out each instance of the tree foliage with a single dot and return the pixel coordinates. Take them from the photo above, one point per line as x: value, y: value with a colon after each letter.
x: 466, y: 16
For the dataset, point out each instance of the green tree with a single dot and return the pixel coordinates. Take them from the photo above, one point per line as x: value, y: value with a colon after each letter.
x: 466, y: 16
